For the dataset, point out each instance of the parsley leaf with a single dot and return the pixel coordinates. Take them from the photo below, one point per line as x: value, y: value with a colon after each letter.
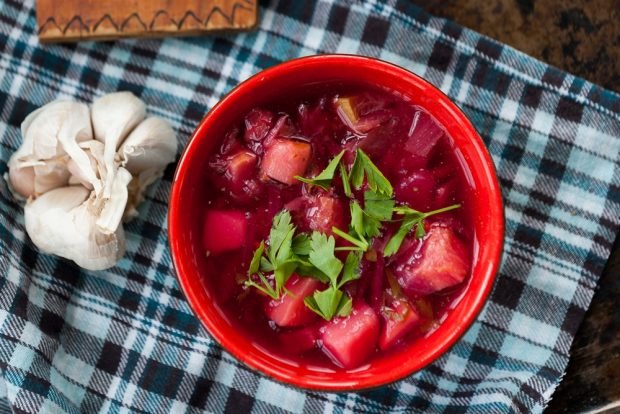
x: 412, y: 218
x: 329, y: 302
x: 345, y: 305
x: 301, y: 244
x: 375, y: 178
x: 305, y: 268
x: 357, y: 171
x: 264, y: 287
x: 357, y: 218
x: 282, y: 272
x: 332, y: 301
x: 346, y: 185
x: 359, y: 244
x: 256, y: 259
x: 278, y: 257
x: 366, y: 223
x: 324, y: 179
x: 379, y: 206
x: 280, y: 237
x: 397, y: 239
x: 322, y: 256
x: 265, y: 265
x: 351, y: 268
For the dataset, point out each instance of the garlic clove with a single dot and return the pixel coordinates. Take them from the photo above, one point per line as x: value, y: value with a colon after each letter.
x: 94, y: 153
x: 21, y: 181
x: 145, y: 153
x: 32, y: 178
x: 41, y: 128
x: 39, y: 164
x: 74, y: 130
x: 112, y: 212
x: 95, y: 149
x: 113, y: 116
x: 50, y: 174
x: 151, y: 146
x: 60, y: 222
x: 77, y: 176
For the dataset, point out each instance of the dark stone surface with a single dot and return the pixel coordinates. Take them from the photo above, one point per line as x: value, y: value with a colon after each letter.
x: 581, y: 37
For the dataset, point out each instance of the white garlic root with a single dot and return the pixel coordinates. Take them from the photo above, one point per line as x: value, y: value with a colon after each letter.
x: 79, y: 185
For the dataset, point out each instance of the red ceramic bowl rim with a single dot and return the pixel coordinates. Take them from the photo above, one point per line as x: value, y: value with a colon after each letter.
x: 493, y: 246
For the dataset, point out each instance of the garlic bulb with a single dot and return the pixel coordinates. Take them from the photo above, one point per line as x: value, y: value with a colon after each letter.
x: 39, y: 165
x: 80, y: 184
x: 60, y: 222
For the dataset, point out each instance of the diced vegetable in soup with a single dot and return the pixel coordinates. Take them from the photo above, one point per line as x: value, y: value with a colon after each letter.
x: 337, y: 226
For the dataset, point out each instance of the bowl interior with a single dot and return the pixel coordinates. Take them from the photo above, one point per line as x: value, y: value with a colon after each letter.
x: 281, y: 82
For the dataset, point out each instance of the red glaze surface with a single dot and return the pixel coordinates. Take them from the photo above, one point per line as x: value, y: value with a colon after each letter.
x: 279, y: 82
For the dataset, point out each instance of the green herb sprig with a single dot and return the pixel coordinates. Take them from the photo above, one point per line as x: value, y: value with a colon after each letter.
x: 308, y: 255
x: 325, y: 177
x: 332, y: 301
x: 411, y: 218
x: 278, y: 257
x: 314, y: 255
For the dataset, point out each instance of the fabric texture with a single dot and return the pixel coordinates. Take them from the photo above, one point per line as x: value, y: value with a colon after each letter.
x: 125, y: 340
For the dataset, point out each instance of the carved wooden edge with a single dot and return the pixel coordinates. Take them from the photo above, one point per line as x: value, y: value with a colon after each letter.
x: 244, y: 16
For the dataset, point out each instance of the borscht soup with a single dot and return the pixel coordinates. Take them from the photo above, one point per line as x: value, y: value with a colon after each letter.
x: 336, y: 225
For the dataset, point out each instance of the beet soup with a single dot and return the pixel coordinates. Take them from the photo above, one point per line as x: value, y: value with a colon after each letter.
x: 336, y: 226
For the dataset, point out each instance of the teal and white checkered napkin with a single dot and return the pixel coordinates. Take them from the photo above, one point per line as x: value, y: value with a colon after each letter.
x: 125, y: 339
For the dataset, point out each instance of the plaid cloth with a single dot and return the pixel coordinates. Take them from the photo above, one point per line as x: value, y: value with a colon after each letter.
x: 125, y: 340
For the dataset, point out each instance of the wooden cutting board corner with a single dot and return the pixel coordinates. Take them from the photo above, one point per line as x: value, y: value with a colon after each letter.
x: 74, y: 20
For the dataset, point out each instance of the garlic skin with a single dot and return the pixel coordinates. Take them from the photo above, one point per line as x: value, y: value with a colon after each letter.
x: 31, y: 178
x: 75, y: 130
x: 94, y: 151
x: 84, y: 171
x: 60, y: 222
x: 112, y: 211
x: 114, y: 116
x: 145, y: 153
x: 149, y: 147
x: 39, y: 165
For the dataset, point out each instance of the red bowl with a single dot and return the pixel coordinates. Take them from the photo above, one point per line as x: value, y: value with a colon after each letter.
x: 185, y: 235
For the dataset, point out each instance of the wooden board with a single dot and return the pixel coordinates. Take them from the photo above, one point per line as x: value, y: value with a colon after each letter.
x: 74, y: 20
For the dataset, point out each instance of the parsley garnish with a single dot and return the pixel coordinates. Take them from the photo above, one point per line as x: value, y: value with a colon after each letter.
x: 314, y: 255
x: 362, y: 167
x: 332, y: 301
x: 374, y: 177
x: 324, y: 179
x: 278, y: 257
x: 412, y: 218
x: 322, y: 255
x: 311, y: 256
x: 366, y: 223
